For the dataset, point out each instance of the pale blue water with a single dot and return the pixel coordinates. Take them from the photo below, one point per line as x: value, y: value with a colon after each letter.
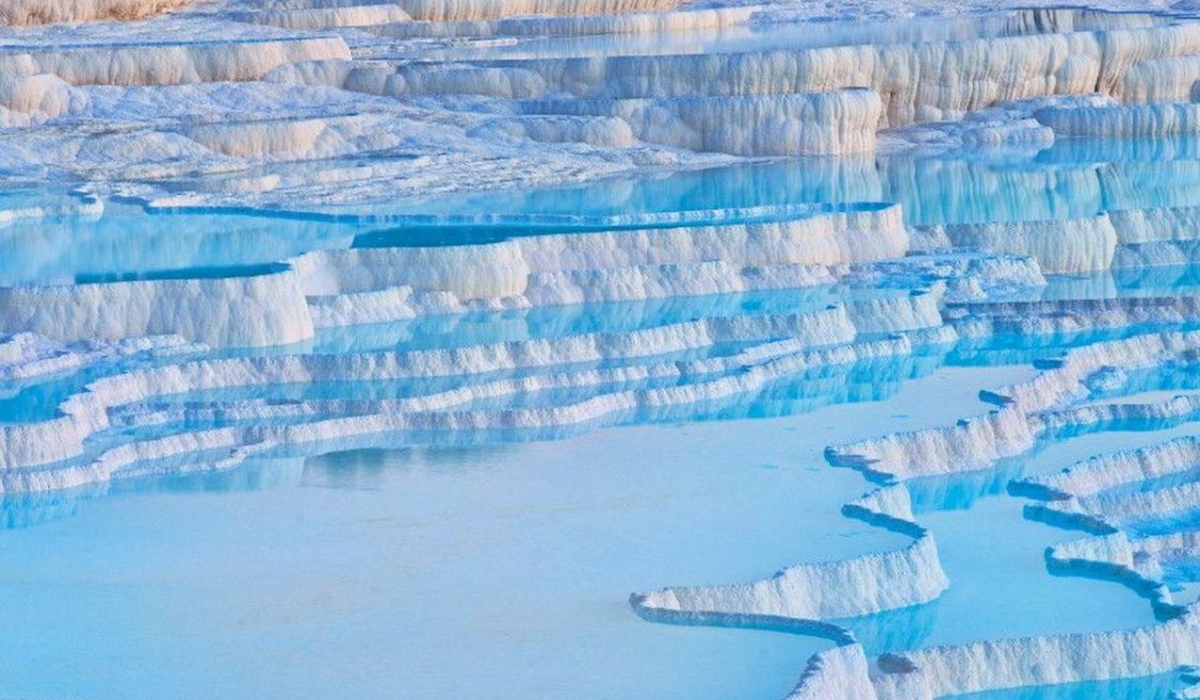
x: 1152, y: 688
x: 499, y: 566
x: 435, y: 572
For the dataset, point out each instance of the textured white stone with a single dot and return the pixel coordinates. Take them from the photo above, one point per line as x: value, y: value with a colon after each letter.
x: 28, y: 12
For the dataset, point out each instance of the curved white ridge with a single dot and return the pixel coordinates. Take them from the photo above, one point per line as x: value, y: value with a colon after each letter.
x: 974, y: 444
x: 847, y: 588
x: 1013, y: 429
x: 810, y: 101
x: 25, y: 356
x: 928, y: 673
x: 988, y: 665
x: 812, y: 592
x: 1174, y: 408
x: 935, y: 672
x: 1120, y: 510
x: 1089, y: 490
x: 1141, y: 562
x: 28, y: 444
x: 87, y: 412
x: 1114, y: 469
x: 924, y: 674
x: 1065, y: 382
x: 1136, y: 561
x: 1117, y: 549
x: 772, y: 359
x: 1049, y: 317
x: 827, y: 590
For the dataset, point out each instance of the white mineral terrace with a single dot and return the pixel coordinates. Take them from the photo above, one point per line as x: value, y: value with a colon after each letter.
x: 245, y: 230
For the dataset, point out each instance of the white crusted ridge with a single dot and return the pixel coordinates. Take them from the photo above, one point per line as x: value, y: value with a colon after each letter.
x: 28, y: 444
x: 25, y: 356
x: 371, y: 420
x: 266, y: 309
x: 841, y: 672
x: 916, y: 84
x: 30, y: 12
x: 1123, y: 121
x: 283, y: 304
x: 461, y: 10
x: 367, y: 15
x: 841, y: 121
x: 1101, y: 512
x: 1032, y: 318
x: 924, y: 674
x: 1115, y: 469
x: 1013, y: 429
x: 510, y: 268
x: 828, y: 590
x: 164, y: 63
x: 1078, y: 245
x: 809, y: 593
x: 682, y: 20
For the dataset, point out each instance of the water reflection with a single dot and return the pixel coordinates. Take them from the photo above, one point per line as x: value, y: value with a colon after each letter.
x: 1160, y: 687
